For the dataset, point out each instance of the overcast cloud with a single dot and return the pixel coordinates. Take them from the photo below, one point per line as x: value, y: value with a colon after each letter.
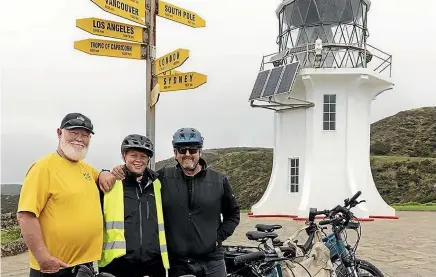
x: 43, y: 77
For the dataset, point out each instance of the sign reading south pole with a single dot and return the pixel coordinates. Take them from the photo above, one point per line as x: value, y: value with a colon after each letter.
x: 177, y: 14
x: 171, y: 60
x: 112, y: 29
x: 182, y: 81
x: 111, y: 48
x: 133, y: 10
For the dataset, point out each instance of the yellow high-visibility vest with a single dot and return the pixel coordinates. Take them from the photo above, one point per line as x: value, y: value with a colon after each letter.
x: 114, y: 242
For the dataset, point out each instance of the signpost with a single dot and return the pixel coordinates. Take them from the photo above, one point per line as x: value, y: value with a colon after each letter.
x: 150, y: 107
x: 133, y: 10
x: 141, y: 45
x: 112, y: 29
x: 171, y: 60
x: 182, y: 81
x: 180, y: 15
x: 110, y: 48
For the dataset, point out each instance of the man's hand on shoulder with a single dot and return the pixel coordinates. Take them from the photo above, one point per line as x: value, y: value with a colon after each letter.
x: 118, y: 172
x: 106, y: 180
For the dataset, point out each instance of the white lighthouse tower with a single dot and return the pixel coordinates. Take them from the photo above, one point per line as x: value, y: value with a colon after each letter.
x: 320, y: 86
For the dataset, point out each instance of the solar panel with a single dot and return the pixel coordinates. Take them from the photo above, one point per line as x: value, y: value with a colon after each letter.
x: 273, y: 81
x: 279, y: 56
x: 288, y: 78
x: 259, y: 84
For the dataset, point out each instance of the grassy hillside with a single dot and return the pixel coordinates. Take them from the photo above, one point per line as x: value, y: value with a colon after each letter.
x: 407, y: 133
x: 398, y: 179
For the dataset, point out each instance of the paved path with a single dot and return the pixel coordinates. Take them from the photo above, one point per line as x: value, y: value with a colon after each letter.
x: 400, y: 248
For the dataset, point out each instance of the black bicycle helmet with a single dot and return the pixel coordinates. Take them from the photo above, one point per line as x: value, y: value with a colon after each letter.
x: 187, y: 136
x: 139, y: 142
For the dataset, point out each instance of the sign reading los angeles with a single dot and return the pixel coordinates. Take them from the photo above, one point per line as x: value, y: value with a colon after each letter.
x: 133, y: 10
x: 182, y: 81
x: 112, y: 29
x: 110, y: 48
x: 171, y: 60
x: 177, y: 14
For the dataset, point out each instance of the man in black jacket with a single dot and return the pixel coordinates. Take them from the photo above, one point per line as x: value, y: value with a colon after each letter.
x: 194, y: 197
x: 143, y: 256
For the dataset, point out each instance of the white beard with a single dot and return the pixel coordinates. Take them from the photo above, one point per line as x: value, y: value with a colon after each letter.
x: 73, y: 153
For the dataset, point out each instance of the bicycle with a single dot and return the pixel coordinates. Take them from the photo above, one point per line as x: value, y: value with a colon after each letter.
x: 341, y: 253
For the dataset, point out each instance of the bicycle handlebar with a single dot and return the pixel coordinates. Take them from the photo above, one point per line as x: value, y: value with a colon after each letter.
x: 353, y: 199
x: 338, y: 209
x: 250, y: 257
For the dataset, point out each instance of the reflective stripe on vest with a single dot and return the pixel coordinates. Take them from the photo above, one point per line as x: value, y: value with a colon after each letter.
x: 114, y: 242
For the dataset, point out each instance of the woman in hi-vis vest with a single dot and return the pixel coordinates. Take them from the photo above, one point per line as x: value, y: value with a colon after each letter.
x: 134, y: 235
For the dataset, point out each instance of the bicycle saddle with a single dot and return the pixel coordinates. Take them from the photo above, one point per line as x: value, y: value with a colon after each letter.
x: 84, y: 271
x: 267, y: 227
x: 259, y: 236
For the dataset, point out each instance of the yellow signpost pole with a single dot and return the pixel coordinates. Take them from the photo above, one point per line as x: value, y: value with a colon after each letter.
x: 151, y: 80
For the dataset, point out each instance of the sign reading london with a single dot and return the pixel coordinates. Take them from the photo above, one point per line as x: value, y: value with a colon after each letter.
x: 180, y: 15
x: 112, y: 29
x: 110, y: 48
x: 133, y: 10
x: 171, y: 60
x: 182, y: 81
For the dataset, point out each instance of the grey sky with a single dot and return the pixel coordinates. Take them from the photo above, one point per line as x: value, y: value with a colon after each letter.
x: 43, y: 77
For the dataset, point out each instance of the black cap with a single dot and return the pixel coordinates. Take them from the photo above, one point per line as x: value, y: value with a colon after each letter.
x: 77, y: 120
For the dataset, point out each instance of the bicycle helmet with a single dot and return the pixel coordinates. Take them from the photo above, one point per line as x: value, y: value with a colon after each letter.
x: 139, y: 142
x: 187, y: 136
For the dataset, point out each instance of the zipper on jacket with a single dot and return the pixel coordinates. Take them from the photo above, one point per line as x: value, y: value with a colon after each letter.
x: 148, y: 209
x: 140, y: 214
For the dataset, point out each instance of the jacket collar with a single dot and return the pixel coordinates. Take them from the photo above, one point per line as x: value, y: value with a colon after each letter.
x: 147, y: 175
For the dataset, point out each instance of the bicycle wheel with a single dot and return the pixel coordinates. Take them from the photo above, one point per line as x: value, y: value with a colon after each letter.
x: 363, y: 268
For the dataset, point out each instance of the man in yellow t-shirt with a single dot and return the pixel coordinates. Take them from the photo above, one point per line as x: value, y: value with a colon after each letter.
x: 59, y: 209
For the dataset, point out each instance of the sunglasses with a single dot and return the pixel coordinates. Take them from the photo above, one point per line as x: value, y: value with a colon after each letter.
x: 77, y: 122
x: 184, y: 150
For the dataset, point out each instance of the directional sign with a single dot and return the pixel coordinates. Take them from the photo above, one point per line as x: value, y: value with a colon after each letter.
x: 133, y: 10
x: 112, y: 29
x: 171, y: 60
x: 111, y: 48
x: 170, y: 72
x: 182, y: 81
x: 180, y: 15
x: 155, y: 95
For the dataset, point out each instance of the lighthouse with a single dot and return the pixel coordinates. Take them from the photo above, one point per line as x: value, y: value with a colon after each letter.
x: 320, y: 85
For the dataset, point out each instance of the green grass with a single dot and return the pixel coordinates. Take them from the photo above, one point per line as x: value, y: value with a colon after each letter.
x: 400, y: 158
x: 9, y: 235
x: 415, y: 208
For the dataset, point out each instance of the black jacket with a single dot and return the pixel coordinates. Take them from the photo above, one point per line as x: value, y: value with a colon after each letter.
x: 140, y: 219
x: 192, y: 212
